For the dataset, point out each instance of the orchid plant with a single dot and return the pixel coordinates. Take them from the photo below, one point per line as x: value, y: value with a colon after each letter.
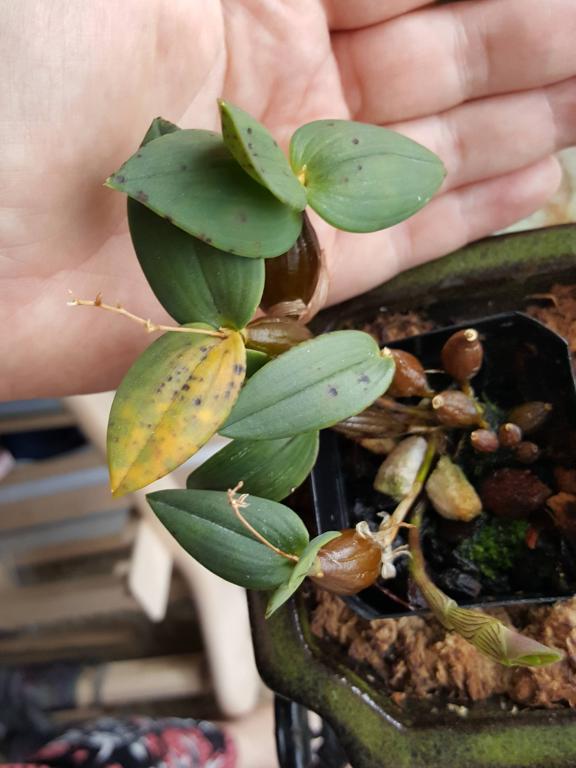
x: 219, y: 226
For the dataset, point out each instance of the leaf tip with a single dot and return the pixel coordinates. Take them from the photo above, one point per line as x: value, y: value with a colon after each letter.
x: 117, y: 491
x: 542, y: 659
x: 122, y: 484
x: 115, y: 181
x: 273, y: 606
x: 520, y: 650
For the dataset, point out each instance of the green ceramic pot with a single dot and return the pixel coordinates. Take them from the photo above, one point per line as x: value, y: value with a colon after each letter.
x: 490, y: 276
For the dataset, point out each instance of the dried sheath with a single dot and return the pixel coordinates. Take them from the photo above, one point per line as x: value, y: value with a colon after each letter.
x: 451, y: 494
x: 398, y: 472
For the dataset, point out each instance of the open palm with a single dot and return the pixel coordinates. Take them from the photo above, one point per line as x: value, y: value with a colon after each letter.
x: 486, y: 84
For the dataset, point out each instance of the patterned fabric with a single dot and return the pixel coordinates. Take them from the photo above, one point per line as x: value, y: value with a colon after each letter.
x: 138, y: 743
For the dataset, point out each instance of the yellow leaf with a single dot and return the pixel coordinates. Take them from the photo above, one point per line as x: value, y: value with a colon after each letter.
x: 170, y: 403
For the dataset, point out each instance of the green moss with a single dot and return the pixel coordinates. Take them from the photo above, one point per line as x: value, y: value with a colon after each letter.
x: 496, y: 546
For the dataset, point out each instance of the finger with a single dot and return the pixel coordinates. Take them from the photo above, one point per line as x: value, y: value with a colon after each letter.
x: 447, y: 223
x: 434, y: 59
x: 468, y: 213
x: 343, y: 14
x: 494, y: 136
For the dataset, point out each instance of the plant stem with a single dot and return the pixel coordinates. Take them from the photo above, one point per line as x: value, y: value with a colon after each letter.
x: 393, y: 596
x: 399, y: 514
x: 486, y: 633
x: 148, y: 324
x: 239, y: 502
x: 390, y: 404
x: 439, y: 603
x: 468, y: 390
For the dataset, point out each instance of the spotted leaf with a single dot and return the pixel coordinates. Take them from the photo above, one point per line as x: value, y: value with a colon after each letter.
x: 361, y: 177
x: 258, y: 153
x: 190, y: 178
x: 159, y: 127
x: 170, y: 403
x: 312, y: 386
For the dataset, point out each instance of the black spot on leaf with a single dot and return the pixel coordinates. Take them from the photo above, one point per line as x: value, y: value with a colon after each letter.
x: 197, y: 401
x: 119, y: 178
x: 332, y: 392
x: 364, y: 379
x: 355, y: 141
x: 142, y: 196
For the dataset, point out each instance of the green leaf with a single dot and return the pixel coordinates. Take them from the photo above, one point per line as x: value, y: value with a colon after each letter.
x: 170, y: 403
x: 254, y: 361
x: 361, y: 177
x: 312, y: 386
x: 193, y: 281
x: 190, y: 178
x: 258, y: 153
x: 159, y: 127
x: 206, y: 526
x: 268, y: 468
x: 302, y: 569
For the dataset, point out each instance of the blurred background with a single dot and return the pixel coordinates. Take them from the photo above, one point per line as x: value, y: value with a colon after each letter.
x: 101, y: 612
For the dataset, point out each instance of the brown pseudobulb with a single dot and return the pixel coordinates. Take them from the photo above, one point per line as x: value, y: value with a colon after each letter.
x: 409, y: 376
x: 348, y: 564
x: 462, y: 355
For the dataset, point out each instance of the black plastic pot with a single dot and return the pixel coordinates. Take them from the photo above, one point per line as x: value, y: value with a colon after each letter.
x: 524, y: 361
x: 488, y: 277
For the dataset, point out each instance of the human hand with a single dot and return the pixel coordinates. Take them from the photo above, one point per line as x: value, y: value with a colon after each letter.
x: 486, y: 84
